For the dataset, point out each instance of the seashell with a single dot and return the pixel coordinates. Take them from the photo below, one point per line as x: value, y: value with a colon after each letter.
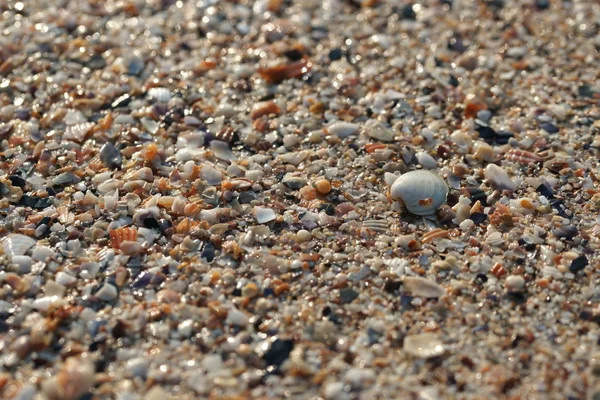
x: 421, y: 287
x: 434, y: 234
x: 78, y: 132
x: 120, y: 235
x: 17, y: 244
x: 494, y: 239
x: 424, y: 345
x: 376, y: 225
x: 264, y: 108
x: 342, y: 129
x: 522, y: 156
x: 160, y: 94
x: 111, y: 156
x: 422, y: 192
x: 498, y: 178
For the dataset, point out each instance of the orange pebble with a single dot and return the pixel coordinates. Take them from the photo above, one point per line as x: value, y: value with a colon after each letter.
x: 323, y: 186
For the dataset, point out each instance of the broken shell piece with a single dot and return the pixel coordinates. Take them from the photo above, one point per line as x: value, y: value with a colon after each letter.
x: 121, y: 235
x: 422, y: 192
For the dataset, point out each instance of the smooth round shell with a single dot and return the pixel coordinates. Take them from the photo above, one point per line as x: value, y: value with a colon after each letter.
x: 422, y: 192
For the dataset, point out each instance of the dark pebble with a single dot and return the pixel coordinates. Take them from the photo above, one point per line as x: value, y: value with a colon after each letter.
x: 408, y: 12
x: 347, y: 295
x: 502, y: 137
x: 477, y: 194
x: 392, y: 286
x: 35, y: 202
x: 478, y: 218
x: 453, y: 81
x: 278, y: 352
x: 542, y: 4
x: 545, y: 190
x: 549, y: 127
x: 208, y: 252
x: 294, y: 55
x: 486, y: 133
x: 336, y: 54
x: 585, y: 91
x: 96, y: 62
x: 16, y: 180
x: 111, y: 156
x: 578, y: 264
x: 567, y: 232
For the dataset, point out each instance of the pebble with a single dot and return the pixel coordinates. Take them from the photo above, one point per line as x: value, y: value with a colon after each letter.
x: 424, y: 345
x: 342, y: 129
x: 514, y: 283
x: 237, y: 318
x: 426, y: 161
x: 107, y: 292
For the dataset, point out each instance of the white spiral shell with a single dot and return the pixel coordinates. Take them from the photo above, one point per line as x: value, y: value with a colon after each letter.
x: 422, y: 192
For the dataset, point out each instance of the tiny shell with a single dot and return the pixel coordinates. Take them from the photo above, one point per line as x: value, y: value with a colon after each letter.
x: 422, y: 192
x: 17, y: 245
x: 498, y: 178
x: 425, y: 345
x: 421, y: 287
x: 522, y: 156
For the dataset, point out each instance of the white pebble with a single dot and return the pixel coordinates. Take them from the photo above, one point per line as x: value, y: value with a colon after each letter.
x: 514, y: 283
x: 426, y: 160
x: 237, y: 317
x: 342, y: 129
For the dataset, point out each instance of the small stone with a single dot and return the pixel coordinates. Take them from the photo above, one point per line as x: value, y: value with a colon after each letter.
x: 303, y: 236
x: 278, y: 352
x: 342, y: 129
x: 347, y: 295
x: 426, y: 161
x: 323, y: 186
x: 107, y: 292
x: 514, y: 283
x: 237, y: 317
x: 578, y: 264
x: 156, y: 393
